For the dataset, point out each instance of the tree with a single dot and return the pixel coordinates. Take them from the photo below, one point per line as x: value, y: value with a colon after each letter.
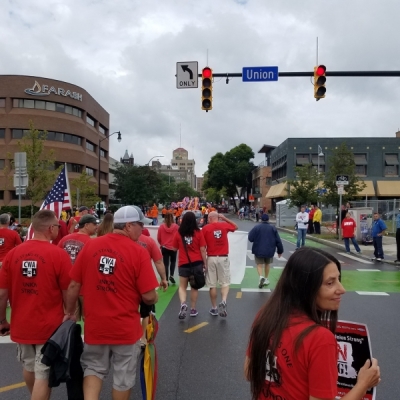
x: 341, y: 161
x: 214, y: 195
x: 303, y: 189
x: 183, y: 189
x: 85, y: 189
x: 231, y: 171
x: 137, y: 185
x: 40, y: 165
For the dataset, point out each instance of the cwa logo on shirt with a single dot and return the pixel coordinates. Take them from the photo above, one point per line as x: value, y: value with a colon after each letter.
x: 29, y: 269
x: 188, y: 240
x: 217, y: 234
x: 107, y: 265
x: 1, y: 241
x: 269, y: 372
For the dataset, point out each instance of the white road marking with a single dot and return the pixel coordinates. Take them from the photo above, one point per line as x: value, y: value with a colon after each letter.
x: 5, y: 340
x: 203, y: 289
x: 361, y: 260
x: 368, y: 270
x: 278, y: 267
x: 249, y: 266
x: 373, y: 293
x: 257, y: 290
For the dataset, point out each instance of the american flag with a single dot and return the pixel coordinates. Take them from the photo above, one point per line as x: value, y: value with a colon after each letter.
x: 58, y: 198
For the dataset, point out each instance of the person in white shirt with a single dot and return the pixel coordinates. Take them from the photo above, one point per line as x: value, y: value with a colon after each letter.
x: 302, y: 225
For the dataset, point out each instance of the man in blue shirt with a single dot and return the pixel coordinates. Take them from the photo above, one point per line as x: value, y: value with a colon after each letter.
x: 378, y: 230
x: 398, y: 236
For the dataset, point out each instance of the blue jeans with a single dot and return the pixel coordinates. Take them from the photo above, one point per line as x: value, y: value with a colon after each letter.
x: 155, y: 221
x: 378, y: 252
x: 355, y: 244
x: 301, y: 235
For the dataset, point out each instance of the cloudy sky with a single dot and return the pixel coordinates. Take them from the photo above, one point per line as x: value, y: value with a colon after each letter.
x: 124, y: 53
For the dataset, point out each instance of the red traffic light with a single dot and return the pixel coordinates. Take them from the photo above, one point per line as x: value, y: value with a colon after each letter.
x: 207, y: 72
x: 321, y: 69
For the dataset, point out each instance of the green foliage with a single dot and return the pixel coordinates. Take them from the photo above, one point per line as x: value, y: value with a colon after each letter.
x: 183, y: 189
x: 25, y: 211
x: 214, y: 195
x: 230, y: 171
x: 303, y: 190
x: 341, y: 161
x: 40, y: 165
x: 87, y: 190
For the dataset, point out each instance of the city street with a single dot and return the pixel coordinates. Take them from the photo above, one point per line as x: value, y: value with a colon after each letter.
x: 202, y: 357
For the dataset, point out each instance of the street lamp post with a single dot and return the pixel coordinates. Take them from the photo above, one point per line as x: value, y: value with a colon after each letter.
x: 148, y: 164
x: 98, y: 178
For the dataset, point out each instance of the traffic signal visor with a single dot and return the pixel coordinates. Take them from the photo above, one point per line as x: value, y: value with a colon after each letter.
x: 319, y: 82
x: 206, y: 89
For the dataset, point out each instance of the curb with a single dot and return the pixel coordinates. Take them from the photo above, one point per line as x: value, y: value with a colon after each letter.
x: 335, y: 245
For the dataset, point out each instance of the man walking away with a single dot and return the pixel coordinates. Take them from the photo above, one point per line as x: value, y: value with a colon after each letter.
x: 8, y: 238
x: 310, y: 219
x: 302, y: 225
x: 378, y: 230
x: 317, y: 218
x: 398, y: 236
x: 348, y: 232
x: 35, y: 275
x: 266, y: 240
x: 218, y: 265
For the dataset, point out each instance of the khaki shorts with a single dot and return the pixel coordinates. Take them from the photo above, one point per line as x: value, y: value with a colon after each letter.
x: 218, y: 272
x: 30, y: 356
x: 96, y: 361
x: 263, y: 260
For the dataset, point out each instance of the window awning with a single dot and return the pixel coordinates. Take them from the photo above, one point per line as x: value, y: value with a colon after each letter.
x: 388, y: 188
x: 368, y: 190
x: 276, y: 191
x: 391, y: 159
x: 360, y: 159
x: 315, y: 160
x: 302, y: 160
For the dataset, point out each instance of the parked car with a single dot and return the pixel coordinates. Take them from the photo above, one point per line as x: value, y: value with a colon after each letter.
x: 199, y: 217
x: 223, y: 209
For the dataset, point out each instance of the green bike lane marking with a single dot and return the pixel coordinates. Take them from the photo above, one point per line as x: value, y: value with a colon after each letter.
x: 292, y: 238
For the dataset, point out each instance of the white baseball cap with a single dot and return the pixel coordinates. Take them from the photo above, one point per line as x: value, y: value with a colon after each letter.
x: 130, y: 214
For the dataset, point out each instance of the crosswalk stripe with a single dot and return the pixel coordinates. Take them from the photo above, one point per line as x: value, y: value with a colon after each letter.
x: 368, y: 270
x: 278, y: 267
x: 372, y: 293
x: 361, y: 260
x: 257, y: 290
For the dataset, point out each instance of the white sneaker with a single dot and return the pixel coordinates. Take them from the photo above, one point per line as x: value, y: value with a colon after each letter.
x: 266, y: 282
x: 379, y: 259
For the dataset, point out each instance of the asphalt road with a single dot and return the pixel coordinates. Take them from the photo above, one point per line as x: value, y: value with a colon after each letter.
x: 207, y: 363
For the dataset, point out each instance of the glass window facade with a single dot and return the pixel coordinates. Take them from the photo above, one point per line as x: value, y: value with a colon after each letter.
x: 89, y: 171
x: 46, y: 105
x: 2, y: 103
x: 54, y: 136
x: 2, y: 133
x: 90, y: 120
x: 90, y: 146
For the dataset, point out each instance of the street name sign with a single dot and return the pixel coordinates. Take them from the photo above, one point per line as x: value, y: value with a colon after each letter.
x: 187, y: 75
x: 259, y: 74
x: 342, y: 179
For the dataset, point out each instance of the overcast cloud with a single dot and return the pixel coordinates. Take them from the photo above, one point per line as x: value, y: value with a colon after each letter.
x: 124, y: 53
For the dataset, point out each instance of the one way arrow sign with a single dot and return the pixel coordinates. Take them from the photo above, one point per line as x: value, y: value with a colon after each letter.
x: 187, y: 75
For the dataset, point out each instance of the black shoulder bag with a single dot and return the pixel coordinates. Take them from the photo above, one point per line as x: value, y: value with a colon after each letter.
x: 197, y: 280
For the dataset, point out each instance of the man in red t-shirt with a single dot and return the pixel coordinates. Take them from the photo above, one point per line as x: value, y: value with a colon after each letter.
x: 35, y: 276
x: 348, y: 232
x: 73, y: 223
x: 8, y: 237
x: 115, y: 275
x: 63, y: 231
x: 218, y: 271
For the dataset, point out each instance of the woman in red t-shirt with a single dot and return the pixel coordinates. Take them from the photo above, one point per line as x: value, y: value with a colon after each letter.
x: 292, y: 351
x: 189, y: 240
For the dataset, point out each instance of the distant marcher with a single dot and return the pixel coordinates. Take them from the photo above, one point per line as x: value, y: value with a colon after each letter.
x: 35, y: 277
x: 106, y: 226
x: 317, y: 219
x: 218, y: 265
x: 73, y: 223
x: 189, y: 240
x: 63, y: 231
x: 115, y: 274
x: 378, y: 230
x: 302, y: 225
x: 343, y: 212
x: 266, y: 240
x: 292, y: 352
x: 398, y: 236
x: 8, y: 238
x: 154, y: 214
x: 310, y: 220
x: 165, y: 236
x: 348, y: 232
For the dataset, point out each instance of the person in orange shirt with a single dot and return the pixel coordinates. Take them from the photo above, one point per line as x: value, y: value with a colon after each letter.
x: 154, y: 214
x: 163, y: 212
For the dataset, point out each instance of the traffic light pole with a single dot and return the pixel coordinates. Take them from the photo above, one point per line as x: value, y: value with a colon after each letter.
x: 311, y: 74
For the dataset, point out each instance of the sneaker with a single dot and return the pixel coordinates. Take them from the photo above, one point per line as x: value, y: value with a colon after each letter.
x: 359, y: 252
x: 373, y: 258
x: 261, y: 284
x: 193, y: 312
x: 182, y: 312
x: 222, y: 309
x: 379, y: 259
x: 266, y: 283
x: 171, y: 279
x: 214, y: 311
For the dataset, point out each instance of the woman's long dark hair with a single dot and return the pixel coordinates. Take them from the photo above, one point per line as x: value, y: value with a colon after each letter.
x: 168, y: 219
x: 188, y: 224
x: 296, y: 292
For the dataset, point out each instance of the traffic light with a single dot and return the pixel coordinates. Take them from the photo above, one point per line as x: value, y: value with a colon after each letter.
x: 319, y: 82
x: 206, y: 89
